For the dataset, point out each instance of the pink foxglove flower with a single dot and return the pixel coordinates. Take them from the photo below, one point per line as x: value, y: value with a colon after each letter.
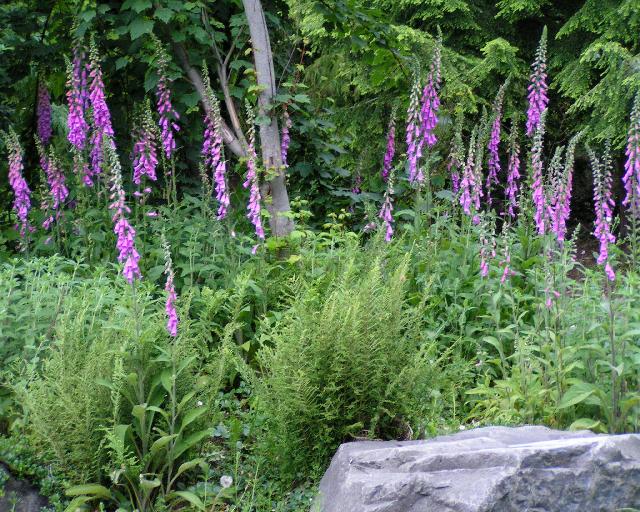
x: 44, y: 114
x: 494, y: 143
x: 562, y: 194
x: 604, y: 205
x: 538, y: 99
x: 251, y: 182
x: 22, y: 194
x: 387, y: 164
x: 631, y: 178
x: 469, y: 197
x: 414, y: 136
x: 125, y: 233
x: 487, y: 248
x: 430, y: 99
x: 213, y: 150
x: 386, y: 212
x: 102, y: 129
x: 357, y: 183
x: 172, y: 297
x: 455, y: 161
x: 539, y: 198
x: 285, y: 139
x: 56, y: 181
x: 76, y: 96
x: 168, y: 116
x: 145, y: 155
x: 513, y: 172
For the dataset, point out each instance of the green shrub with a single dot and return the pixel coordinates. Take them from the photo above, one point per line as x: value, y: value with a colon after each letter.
x: 342, y: 363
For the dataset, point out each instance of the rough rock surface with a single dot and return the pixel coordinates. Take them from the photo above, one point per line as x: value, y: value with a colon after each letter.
x: 20, y: 496
x: 491, y: 469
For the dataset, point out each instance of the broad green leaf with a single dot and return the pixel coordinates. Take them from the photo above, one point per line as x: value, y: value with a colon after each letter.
x: 190, y: 442
x: 190, y: 416
x: 576, y: 394
x: 192, y: 498
x: 189, y: 465
x: 160, y: 443
x: 94, y: 490
x: 140, y: 26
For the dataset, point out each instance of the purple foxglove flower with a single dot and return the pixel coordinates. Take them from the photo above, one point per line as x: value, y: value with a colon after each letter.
x: 386, y: 212
x: 538, y: 99
x: 455, y: 160
x: 213, y: 150
x: 251, y: 181
x: 468, y: 186
x: 145, y: 156
x: 430, y: 99
x: 357, y: 183
x: 631, y: 178
x: 414, y: 138
x: 487, y: 249
x: 125, y: 233
x: 561, y: 203
x: 387, y: 164
x: 168, y: 116
x: 513, y: 172
x: 22, y: 194
x: 539, y: 199
x: 604, y: 205
x: 172, y: 297
x: 285, y: 139
x: 76, y: 95
x: 44, y: 114
x: 102, y: 128
x: 494, y: 143
x: 56, y: 181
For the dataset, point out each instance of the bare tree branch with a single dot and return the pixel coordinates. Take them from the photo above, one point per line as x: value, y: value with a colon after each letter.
x: 228, y: 135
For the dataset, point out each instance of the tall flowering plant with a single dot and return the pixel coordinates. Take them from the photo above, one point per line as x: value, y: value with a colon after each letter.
x: 538, y: 99
x: 494, y: 142
x: 561, y: 203
x: 145, y: 154
x: 537, y: 186
x: 604, y: 205
x: 167, y: 114
x: 76, y: 99
x: 252, y: 182
x: 414, y: 137
x: 213, y: 149
x: 44, y: 114
x: 387, y: 164
x: 102, y: 131
x: 56, y: 181
x: 513, y: 172
x: 172, y: 297
x: 455, y: 160
x: 430, y: 99
x: 125, y: 233
x: 631, y: 177
x: 470, y: 189
x: 386, y: 212
x: 21, y: 191
x: 285, y: 138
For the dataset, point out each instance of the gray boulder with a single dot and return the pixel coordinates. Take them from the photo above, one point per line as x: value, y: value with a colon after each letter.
x: 491, y: 469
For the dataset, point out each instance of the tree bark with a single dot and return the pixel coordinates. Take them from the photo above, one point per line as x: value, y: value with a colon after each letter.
x: 276, y: 188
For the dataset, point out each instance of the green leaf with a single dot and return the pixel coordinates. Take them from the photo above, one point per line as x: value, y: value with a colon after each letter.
x: 76, y: 503
x: 163, y: 14
x: 95, y: 490
x: 189, y: 465
x: 192, y: 498
x: 140, y: 26
x: 136, y: 5
x: 585, y: 424
x: 191, y: 416
x: 190, y: 442
x: 576, y: 394
x: 161, y: 442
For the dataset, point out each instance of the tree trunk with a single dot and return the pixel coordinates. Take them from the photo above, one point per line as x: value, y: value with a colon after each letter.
x: 274, y: 191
